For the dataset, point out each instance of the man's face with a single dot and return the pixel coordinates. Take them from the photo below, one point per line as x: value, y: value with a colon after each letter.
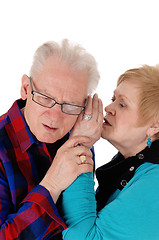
x: 58, y: 81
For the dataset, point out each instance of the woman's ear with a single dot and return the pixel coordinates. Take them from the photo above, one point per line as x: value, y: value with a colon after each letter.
x: 154, y: 128
x: 25, y: 83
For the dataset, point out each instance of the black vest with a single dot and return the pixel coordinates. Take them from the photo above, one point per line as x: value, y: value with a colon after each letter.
x: 117, y: 173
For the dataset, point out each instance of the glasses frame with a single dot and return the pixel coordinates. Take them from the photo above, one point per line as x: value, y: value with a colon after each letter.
x: 61, y: 104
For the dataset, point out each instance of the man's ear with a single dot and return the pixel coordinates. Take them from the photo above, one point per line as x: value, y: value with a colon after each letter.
x: 154, y: 128
x: 25, y: 83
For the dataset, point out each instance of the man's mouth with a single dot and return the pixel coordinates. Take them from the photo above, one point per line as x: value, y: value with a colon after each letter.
x: 49, y: 128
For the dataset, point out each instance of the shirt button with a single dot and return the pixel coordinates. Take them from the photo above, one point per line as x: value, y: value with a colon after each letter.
x: 140, y: 156
x: 131, y: 168
x: 123, y: 183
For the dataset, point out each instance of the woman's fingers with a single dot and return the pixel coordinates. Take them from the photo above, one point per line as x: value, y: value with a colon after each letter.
x: 88, y: 109
x: 95, y: 107
x: 90, y: 122
x: 100, y: 112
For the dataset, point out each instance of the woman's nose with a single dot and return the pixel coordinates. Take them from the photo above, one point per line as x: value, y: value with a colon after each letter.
x: 110, y: 109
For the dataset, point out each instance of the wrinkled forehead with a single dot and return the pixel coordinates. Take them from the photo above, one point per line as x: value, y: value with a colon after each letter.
x: 61, y: 82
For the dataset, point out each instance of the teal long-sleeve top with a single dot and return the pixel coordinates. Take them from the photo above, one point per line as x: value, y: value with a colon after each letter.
x: 130, y: 213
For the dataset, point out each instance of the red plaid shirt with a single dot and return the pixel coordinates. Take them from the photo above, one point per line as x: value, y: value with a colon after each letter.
x: 27, y: 210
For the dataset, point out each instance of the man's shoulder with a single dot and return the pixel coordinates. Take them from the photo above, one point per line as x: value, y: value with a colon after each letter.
x: 3, y: 116
x: 6, y: 129
x: 11, y: 114
x: 4, y: 120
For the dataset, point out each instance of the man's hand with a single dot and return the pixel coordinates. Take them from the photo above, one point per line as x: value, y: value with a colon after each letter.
x: 67, y: 166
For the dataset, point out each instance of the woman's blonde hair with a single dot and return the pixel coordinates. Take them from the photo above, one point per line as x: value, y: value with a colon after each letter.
x: 148, y: 78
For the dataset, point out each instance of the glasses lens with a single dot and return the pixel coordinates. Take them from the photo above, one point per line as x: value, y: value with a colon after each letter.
x: 71, y: 109
x: 43, y: 100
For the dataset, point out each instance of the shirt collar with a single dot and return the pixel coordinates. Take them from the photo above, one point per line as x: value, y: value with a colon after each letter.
x: 21, y: 129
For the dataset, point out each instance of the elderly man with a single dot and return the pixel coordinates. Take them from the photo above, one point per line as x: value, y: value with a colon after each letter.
x: 32, y: 172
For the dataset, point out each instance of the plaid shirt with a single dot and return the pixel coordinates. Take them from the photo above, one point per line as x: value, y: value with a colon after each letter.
x: 27, y: 210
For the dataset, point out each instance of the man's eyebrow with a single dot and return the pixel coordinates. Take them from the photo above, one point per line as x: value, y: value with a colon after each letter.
x: 67, y: 102
x: 47, y: 94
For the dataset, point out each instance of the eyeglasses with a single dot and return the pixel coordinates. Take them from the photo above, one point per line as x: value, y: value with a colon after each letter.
x: 49, y: 102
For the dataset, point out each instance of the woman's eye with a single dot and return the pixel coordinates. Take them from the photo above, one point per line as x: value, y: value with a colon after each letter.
x: 122, y: 105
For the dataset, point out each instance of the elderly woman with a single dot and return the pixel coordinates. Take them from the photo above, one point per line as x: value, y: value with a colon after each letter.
x: 126, y: 204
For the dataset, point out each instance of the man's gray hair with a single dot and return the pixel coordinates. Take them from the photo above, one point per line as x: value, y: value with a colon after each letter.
x: 72, y: 54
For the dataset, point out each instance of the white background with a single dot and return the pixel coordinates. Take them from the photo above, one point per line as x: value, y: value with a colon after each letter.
x: 120, y: 34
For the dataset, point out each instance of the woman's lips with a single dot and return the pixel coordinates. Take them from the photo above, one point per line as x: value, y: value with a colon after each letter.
x: 106, y: 122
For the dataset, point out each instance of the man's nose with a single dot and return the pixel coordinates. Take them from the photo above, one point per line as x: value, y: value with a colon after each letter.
x: 55, y: 111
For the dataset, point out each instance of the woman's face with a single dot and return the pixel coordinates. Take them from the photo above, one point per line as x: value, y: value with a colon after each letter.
x: 121, y: 126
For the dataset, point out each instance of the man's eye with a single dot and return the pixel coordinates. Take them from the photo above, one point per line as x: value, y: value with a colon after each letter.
x: 43, y: 99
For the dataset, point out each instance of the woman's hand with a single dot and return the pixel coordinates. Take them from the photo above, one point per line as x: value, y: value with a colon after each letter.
x: 70, y: 161
x: 90, y: 127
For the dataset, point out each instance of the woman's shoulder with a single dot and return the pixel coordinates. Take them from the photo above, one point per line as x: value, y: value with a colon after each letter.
x: 146, y: 179
x: 147, y: 169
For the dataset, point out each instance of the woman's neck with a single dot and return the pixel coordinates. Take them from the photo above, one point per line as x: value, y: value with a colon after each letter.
x: 131, y: 151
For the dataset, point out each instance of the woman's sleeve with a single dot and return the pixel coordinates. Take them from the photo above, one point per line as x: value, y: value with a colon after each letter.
x: 133, y: 214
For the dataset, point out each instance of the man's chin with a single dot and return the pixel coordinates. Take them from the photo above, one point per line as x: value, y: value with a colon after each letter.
x: 48, y: 139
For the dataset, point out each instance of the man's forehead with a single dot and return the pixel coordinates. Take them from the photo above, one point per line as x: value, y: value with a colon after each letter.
x: 62, y: 91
